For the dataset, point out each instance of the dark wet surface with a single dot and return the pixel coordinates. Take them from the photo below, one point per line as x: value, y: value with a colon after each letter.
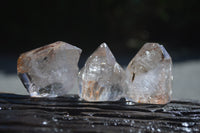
x: 69, y: 114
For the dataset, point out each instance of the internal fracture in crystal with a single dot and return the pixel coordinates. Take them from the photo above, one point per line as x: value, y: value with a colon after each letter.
x: 149, y: 75
x: 51, y: 70
x: 102, y: 78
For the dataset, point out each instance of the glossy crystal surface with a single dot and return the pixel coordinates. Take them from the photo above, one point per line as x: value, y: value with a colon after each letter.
x: 51, y: 70
x: 102, y: 78
x: 149, y: 75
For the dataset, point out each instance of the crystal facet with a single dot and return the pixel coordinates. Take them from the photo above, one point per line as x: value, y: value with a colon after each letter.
x: 50, y: 70
x: 102, y: 78
x: 149, y: 75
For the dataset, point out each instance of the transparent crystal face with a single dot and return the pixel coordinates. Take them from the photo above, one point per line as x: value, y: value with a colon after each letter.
x: 102, y: 78
x: 50, y: 70
x: 149, y: 75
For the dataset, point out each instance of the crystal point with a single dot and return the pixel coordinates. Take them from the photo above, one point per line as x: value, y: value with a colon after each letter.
x: 149, y: 75
x: 51, y: 70
x: 102, y: 78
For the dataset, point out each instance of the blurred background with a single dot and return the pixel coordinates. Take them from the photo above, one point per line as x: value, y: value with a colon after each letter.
x: 124, y: 25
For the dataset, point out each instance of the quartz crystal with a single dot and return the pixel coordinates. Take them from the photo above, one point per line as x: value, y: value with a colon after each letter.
x: 102, y: 78
x: 51, y: 70
x: 149, y: 75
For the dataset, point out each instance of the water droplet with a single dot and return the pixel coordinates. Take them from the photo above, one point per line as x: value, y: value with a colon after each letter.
x: 187, y: 129
x: 130, y: 103
x: 185, y: 124
x: 90, y: 114
x: 92, y: 126
x: 126, y: 120
x: 70, y: 118
x: 158, y: 130
x: 44, y: 122
x: 67, y: 115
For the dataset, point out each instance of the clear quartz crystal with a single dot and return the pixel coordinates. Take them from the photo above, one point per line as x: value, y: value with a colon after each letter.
x: 102, y: 78
x: 149, y: 75
x: 51, y: 70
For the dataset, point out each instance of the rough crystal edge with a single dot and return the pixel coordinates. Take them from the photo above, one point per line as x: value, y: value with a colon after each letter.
x: 54, y: 45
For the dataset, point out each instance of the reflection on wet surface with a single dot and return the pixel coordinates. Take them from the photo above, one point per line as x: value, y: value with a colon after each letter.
x: 69, y: 114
